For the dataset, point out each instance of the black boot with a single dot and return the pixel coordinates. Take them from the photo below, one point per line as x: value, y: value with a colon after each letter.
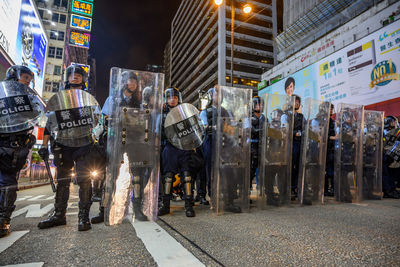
x: 8, y: 196
x: 138, y: 209
x: 58, y: 216
x: 204, y: 201
x: 165, y: 206
x: 99, y: 218
x: 85, y: 202
x: 189, y: 207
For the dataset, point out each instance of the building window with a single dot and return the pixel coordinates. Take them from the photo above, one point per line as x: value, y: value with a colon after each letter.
x: 55, y: 17
x: 41, y: 13
x: 47, y: 87
x: 52, y: 51
x: 60, y: 36
x: 53, y: 34
x: 57, y: 70
x: 63, y: 19
x: 64, y: 3
x: 59, y: 53
x: 55, y: 87
x: 60, y: 3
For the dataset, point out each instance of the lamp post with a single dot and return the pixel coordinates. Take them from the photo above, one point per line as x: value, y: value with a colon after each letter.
x: 246, y: 10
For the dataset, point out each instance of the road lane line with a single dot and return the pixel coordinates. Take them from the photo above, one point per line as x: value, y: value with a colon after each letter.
x: 23, y: 198
x: 31, y: 264
x: 7, y: 241
x: 36, y: 198
x: 166, y: 251
x: 33, y: 211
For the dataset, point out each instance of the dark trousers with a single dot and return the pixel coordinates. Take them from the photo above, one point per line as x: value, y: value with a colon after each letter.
x: 295, y: 163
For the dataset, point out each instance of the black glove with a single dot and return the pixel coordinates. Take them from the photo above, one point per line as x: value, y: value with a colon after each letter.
x: 44, y: 152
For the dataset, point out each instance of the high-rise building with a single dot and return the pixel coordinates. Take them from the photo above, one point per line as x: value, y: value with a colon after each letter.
x: 167, y: 64
x: 68, y: 24
x: 200, y: 50
x: 54, y: 15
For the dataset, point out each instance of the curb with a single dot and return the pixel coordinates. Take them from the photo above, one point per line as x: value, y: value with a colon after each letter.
x: 30, y: 186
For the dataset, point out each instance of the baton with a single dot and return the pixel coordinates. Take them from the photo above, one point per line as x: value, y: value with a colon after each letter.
x: 53, y: 186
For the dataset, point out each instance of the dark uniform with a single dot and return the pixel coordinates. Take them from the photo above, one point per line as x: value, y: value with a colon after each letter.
x: 330, y: 160
x: 14, y: 150
x: 65, y: 158
x: 175, y: 161
x: 297, y: 133
x: 257, y: 121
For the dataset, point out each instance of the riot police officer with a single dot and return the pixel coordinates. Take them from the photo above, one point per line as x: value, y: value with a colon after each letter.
x: 175, y: 161
x: 15, y: 144
x: 65, y: 158
x: 330, y: 156
x: 389, y: 165
x: 257, y: 120
x: 297, y: 134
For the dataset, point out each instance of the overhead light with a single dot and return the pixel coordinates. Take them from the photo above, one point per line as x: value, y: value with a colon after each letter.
x: 247, y: 9
x: 218, y: 2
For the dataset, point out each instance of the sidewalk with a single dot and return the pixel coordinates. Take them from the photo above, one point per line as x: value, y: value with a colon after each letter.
x: 27, y: 183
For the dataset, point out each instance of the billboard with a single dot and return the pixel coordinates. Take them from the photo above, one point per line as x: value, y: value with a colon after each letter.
x: 82, y: 7
x: 79, y: 39
x: 23, y: 38
x: 81, y: 23
x: 364, y: 72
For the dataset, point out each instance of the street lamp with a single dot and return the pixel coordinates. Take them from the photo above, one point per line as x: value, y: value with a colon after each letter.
x: 246, y: 10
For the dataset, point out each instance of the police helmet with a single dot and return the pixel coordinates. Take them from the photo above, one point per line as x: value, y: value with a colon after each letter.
x: 14, y: 73
x: 171, y: 92
x: 257, y: 101
x: 71, y: 70
x: 389, y: 120
x: 147, y: 94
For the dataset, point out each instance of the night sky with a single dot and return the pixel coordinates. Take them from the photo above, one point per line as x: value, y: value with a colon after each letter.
x: 129, y: 34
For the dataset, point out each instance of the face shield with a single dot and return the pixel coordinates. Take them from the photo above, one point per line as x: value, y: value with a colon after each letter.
x: 173, y: 97
x: 21, y: 74
x: 75, y: 77
x: 257, y: 105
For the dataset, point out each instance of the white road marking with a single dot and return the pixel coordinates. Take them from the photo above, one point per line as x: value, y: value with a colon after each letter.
x: 49, y: 198
x: 31, y: 264
x: 7, y: 241
x: 72, y: 213
x: 23, y: 198
x: 72, y: 205
x: 36, y: 198
x: 33, y: 211
x: 165, y: 250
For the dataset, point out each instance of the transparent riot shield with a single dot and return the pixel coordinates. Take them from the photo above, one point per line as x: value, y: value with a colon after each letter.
x: 348, y: 153
x: 72, y: 114
x: 133, y: 143
x: 20, y: 107
x: 372, y: 154
x: 231, y: 150
x: 275, y: 166
x: 313, y: 152
x: 183, y: 127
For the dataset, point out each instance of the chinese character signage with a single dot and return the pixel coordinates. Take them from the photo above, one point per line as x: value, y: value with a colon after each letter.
x: 80, y: 22
x: 365, y: 72
x: 82, y: 7
x: 79, y: 39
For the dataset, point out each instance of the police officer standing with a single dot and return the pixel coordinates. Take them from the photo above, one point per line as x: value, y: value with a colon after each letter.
x: 15, y: 140
x: 297, y: 133
x: 175, y: 161
x: 330, y: 156
x: 257, y: 120
x: 65, y: 158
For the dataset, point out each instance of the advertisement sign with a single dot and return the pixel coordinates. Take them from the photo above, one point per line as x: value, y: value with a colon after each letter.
x: 80, y: 22
x: 82, y: 7
x: 23, y: 38
x: 79, y: 39
x: 365, y: 72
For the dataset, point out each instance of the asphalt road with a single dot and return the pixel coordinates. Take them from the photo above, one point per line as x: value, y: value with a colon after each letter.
x: 334, y: 234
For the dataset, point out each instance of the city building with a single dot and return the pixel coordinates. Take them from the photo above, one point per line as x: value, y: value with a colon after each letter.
x: 167, y: 64
x: 154, y: 68
x: 339, y: 51
x: 54, y: 15
x: 200, y: 50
